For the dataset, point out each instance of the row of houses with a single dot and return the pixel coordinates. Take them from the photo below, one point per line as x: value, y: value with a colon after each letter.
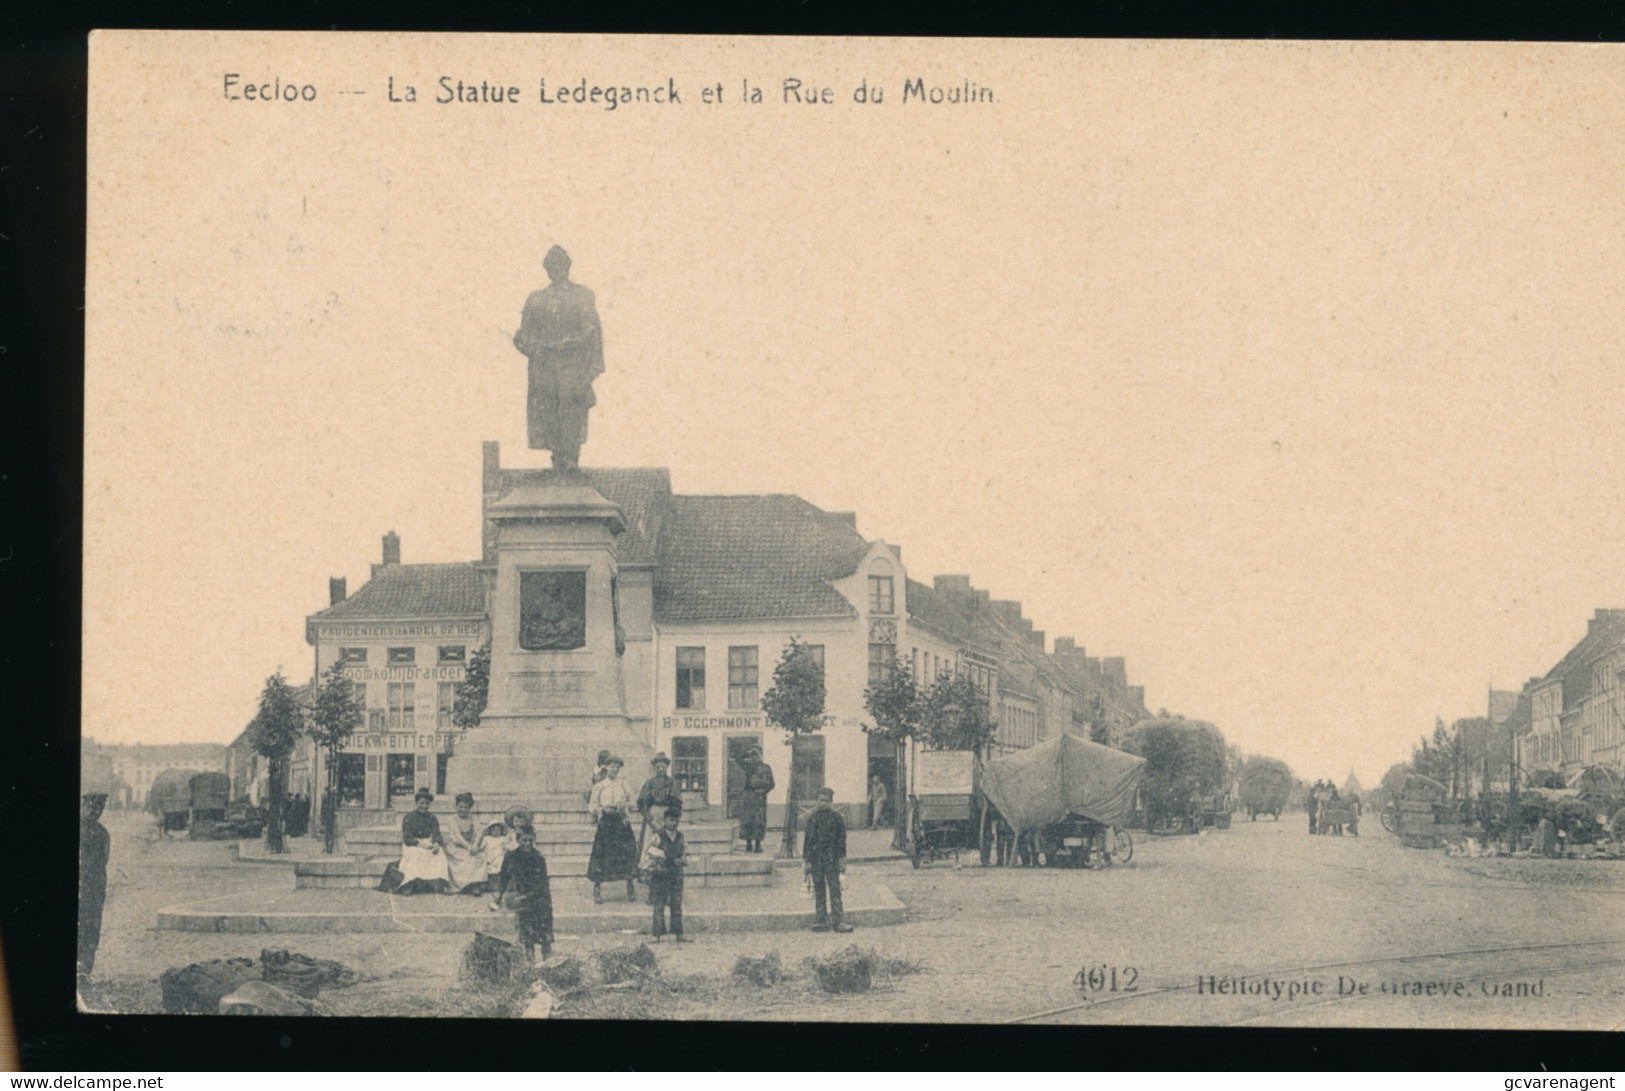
x: 709, y: 590
x: 126, y: 771
x: 1573, y: 716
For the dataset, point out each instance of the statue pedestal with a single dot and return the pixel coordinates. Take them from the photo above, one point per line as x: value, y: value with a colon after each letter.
x: 557, y: 694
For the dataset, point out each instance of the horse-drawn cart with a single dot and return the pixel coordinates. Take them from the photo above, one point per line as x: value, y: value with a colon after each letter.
x: 1070, y: 796
x: 946, y: 811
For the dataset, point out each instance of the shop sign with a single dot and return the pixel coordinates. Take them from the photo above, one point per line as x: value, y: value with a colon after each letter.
x: 684, y: 722
x: 397, y: 630
x: 405, y: 674
x: 400, y: 740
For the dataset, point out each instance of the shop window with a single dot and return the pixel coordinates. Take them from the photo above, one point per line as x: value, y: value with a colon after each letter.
x: 742, y: 677
x: 402, y: 706
x: 402, y: 657
x: 445, y: 702
x: 352, y: 657
x: 352, y: 775
x: 402, y: 778
x: 880, y: 663
x: 882, y: 599
x: 690, y: 759
x: 690, y: 677
x: 453, y: 654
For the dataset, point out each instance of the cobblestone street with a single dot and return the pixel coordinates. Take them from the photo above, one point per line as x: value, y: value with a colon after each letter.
x: 1253, y: 907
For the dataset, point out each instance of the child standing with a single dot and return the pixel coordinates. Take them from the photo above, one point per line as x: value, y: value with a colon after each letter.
x: 664, y: 859
x: 523, y: 883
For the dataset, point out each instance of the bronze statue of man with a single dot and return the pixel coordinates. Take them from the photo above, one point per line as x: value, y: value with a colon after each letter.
x: 560, y: 333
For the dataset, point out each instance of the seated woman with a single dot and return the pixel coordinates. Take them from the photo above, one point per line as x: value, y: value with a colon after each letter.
x: 465, y: 848
x: 423, y: 857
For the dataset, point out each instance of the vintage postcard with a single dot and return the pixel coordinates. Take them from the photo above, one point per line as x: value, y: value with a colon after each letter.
x: 854, y: 530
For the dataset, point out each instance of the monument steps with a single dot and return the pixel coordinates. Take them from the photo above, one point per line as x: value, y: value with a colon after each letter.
x: 384, y: 842
x: 709, y: 869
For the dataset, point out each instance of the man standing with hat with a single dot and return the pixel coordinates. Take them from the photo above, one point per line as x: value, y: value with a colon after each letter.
x: 93, y: 851
x: 658, y: 795
x: 823, y: 848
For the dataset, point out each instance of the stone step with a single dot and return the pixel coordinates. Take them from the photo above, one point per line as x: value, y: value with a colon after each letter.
x: 703, y: 870
x: 705, y: 838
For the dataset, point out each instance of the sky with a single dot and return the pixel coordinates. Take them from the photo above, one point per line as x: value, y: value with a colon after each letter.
x: 1287, y: 371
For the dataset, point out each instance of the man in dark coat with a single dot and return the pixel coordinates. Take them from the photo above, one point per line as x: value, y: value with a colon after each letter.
x: 93, y: 850
x: 753, y: 801
x: 823, y: 850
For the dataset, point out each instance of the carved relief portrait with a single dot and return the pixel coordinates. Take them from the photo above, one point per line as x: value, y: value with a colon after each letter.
x: 552, y: 611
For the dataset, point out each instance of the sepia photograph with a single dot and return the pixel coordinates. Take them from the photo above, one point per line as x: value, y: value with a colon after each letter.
x: 853, y: 530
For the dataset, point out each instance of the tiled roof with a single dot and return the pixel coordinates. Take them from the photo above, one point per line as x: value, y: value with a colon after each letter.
x: 414, y: 590
x: 1608, y: 629
x: 643, y: 495
x: 936, y: 611
x: 768, y: 556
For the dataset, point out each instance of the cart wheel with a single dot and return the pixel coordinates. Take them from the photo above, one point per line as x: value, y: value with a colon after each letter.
x: 1387, y: 820
x: 1123, y: 851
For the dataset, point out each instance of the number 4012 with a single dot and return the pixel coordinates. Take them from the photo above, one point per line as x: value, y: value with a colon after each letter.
x: 1110, y: 979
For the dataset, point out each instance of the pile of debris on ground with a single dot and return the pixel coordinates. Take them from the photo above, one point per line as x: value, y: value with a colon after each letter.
x: 280, y: 982
x: 628, y: 983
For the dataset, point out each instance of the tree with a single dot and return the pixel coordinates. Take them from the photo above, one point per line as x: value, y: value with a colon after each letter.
x: 1184, y: 760
x: 272, y: 732
x: 894, y: 705
x: 954, y: 715
x: 335, y: 715
x: 796, y: 704
x: 469, y: 695
x: 1440, y: 757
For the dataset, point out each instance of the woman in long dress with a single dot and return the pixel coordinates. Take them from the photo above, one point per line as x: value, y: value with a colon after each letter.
x: 614, y: 846
x: 753, y: 801
x: 423, y: 855
x: 465, y: 848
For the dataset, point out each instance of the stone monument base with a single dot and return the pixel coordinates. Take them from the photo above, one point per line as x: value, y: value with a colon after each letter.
x: 524, y: 757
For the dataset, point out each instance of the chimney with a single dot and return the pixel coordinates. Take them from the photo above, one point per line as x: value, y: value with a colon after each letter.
x: 490, y: 466
x: 1116, y: 670
x: 1038, y: 638
x: 392, y: 548
x: 336, y: 590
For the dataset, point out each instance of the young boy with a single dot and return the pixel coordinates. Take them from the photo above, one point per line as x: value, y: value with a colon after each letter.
x: 823, y: 851
x: 524, y: 876
x: 664, y: 859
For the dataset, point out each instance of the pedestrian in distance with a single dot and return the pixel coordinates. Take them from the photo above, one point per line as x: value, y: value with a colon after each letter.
x: 524, y: 886
x: 823, y: 850
x: 94, y: 846
x: 664, y: 859
x: 877, y: 800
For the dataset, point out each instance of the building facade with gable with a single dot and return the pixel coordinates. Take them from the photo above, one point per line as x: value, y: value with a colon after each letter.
x: 708, y: 593
x: 1577, y: 709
